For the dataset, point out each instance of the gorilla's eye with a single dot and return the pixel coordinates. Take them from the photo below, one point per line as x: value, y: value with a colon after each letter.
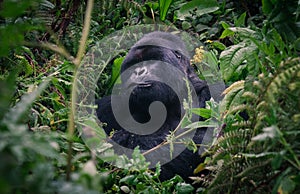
x: 177, y: 54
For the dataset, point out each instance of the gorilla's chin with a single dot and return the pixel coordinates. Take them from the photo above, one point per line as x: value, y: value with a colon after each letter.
x: 144, y: 94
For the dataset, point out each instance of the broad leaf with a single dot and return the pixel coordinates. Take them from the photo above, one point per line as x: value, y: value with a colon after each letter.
x: 163, y: 8
x: 201, y: 7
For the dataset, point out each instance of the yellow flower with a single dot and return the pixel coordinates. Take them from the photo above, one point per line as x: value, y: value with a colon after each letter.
x: 199, y: 55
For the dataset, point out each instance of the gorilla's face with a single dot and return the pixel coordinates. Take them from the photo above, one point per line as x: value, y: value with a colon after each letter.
x: 152, y: 75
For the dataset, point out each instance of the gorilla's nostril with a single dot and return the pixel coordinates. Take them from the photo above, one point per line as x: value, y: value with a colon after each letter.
x: 141, y: 71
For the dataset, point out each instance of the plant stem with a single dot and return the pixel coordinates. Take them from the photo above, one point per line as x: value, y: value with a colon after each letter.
x: 77, y: 60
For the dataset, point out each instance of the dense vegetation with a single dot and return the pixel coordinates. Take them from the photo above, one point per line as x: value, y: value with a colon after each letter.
x: 253, y: 45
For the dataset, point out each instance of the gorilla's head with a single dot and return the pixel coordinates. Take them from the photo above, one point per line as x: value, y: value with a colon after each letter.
x: 153, y: 68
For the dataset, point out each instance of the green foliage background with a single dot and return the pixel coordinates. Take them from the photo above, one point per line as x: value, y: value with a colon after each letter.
x: 254, y: 46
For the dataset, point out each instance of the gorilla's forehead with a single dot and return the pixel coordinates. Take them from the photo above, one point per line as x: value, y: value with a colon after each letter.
x: 163, y: 39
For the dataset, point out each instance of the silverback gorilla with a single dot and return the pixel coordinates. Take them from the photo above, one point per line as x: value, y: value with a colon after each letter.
x: 151, y: 54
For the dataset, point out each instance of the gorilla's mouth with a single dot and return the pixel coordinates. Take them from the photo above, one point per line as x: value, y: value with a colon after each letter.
x: 145, y: 84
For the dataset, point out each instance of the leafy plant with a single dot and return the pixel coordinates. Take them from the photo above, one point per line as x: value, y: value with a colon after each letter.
x: 261, y: 151
x: 256, y: 145
x: 256, y: 151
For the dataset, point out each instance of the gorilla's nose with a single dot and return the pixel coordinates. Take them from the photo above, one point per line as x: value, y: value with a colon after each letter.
x: 140, y: 71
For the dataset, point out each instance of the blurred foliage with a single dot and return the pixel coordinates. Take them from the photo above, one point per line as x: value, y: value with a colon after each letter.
x: 254, y: 45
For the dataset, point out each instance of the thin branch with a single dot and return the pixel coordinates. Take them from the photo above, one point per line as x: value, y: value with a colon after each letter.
x: 77, y: 60
x: 85, y: 32
x: 58, y: 49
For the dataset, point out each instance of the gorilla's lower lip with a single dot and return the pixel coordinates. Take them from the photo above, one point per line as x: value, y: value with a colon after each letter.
x: 140, y: 85
x: 144, y: 85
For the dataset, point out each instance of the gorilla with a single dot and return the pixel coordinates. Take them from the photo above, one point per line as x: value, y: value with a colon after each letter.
x: 141, y: 86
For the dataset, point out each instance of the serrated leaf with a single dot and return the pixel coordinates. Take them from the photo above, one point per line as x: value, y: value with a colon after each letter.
x: 268, y: 132
x: 232, y: 96
x: 232, y: 58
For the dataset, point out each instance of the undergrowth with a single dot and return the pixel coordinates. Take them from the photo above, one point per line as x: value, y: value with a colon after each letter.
x: 253, y: 45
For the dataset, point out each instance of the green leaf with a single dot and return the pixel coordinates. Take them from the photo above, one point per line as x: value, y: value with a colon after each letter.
x: 241, y: 20
x: 14, y: 8
x: 200, y: 124
x: 267, y: 6
x: 116, y: 69
x: 164, y: 6
x: 202, y: 7
x: 128, y: 179
x: 26, y: 67
x: 226, y: 32
x: 7, y: 89
x: 184, y: 188
x: 219, y: 45
x: 224, y: 25
x: 14, y: 36
x: 186, y: 25
x: 286, y: 185
x: 245, y: 32
x: 20, y: 109
x: 233, y: 57
x: 92, y: 124
x: 276, y: 161
x: 205, y: 113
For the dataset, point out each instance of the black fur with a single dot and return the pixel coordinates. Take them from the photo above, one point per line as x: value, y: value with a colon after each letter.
x: 171, y: 51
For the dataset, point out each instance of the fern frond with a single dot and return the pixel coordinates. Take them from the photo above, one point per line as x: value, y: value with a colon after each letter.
x: 250, y: 95
x: 232, y: 58
x: 238, y: 108
x: 282, y: 80
x: 242, y: 164
x: 232, y: 96
x: 234, y: 87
